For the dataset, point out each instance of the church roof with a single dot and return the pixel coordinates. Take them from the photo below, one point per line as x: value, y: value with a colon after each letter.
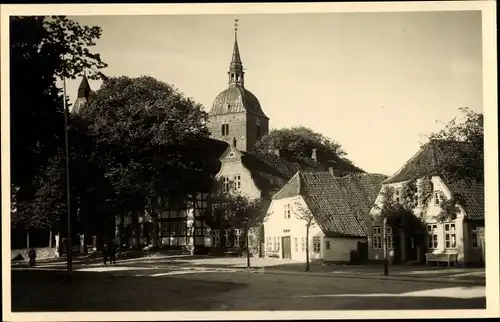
x: 340, y: 205
x: 84, y: 88
x: 236, y: 99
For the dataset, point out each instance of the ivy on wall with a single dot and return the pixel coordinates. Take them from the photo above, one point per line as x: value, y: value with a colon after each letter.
x: 450, y: 208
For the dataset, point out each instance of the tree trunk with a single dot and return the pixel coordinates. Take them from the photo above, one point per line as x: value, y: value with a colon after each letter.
x: 308, y: 266
x: 136, y: 228
x: 121, y: 227
x: 28, y: 239
x: 50, y: 238
x: 247, y: 237
x: 154, y: 219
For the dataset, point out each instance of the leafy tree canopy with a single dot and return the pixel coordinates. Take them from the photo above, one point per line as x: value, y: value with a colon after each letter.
x: 468, y: 163
x: 300, y: 141
x: 41, y: 50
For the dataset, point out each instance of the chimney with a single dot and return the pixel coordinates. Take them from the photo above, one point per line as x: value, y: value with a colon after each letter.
x: 314, y: 155
x: 332, y: 169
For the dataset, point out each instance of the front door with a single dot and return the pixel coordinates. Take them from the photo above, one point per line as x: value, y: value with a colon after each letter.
x: 286, y: 247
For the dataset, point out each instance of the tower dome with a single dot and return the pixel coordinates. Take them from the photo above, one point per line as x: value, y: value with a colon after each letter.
x: 236, y: 99
x: 236, y: 115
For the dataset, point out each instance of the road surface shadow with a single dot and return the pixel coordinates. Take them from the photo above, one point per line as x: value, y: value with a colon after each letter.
x: 34, y: 291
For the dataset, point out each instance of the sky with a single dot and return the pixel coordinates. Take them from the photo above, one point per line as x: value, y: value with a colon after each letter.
x: 377, y: 83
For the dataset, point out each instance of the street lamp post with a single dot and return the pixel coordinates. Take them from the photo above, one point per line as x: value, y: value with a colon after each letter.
x: 384, y: 232
x: 69, y: 249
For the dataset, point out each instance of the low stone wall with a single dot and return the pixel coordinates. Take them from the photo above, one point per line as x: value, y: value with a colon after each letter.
x: 41, y: 253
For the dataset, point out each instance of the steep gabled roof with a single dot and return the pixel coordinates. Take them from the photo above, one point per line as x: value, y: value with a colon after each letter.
x: 473, y: 197
x: 428, y: 161
x: 271, y: 171
x: 340, y: 205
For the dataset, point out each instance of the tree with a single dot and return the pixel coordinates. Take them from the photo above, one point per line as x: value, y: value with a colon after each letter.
x: 469, y: 163
x: 300, y: 141
x: 41, y: 50
x: 229, y: 209
x: 306, y: 214
x: 237, y: 211
x: 145, y: 130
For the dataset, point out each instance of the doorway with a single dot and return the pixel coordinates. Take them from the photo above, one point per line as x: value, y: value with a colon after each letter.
x: 286, y: 247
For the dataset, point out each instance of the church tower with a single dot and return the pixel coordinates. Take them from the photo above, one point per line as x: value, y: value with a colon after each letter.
x: 83, y: 95
x: 236, y: 115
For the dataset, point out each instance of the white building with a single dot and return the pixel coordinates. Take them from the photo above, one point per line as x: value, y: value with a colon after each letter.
x: 461, y: 236
x: 339, y: 208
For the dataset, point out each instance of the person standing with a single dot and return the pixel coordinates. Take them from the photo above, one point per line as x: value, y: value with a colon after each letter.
x: 112, y: 258
x: 105, y: 253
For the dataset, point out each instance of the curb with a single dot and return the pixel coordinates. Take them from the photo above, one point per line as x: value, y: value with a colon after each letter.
x: 378, y: 277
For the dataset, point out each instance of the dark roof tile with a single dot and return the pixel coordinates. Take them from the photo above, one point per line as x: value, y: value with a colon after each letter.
x: 340, y: 205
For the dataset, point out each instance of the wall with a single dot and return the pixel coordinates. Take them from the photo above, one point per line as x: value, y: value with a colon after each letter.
x: 278, y: 226
x: 430, y: 215
x: 237, y: 128
x: 251, y: 132
x: 340, y: 248
x: 231, y: 167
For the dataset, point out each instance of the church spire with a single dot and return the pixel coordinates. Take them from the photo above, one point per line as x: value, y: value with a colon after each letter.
x: 236, y: 73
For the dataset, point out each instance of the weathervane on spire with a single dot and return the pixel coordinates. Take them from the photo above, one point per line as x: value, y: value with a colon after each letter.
x: 235, y: 27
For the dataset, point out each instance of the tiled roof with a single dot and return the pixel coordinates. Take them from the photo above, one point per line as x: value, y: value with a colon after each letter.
x: 271, y: 172
x: 340, y: 205
x: 429, y: 160
x: 473, y: 195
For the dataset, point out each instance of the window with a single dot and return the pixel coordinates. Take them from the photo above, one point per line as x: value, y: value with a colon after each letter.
x: 215, y: 238
x: 303, y: 244
x: 398, y: 195
x: 226, y: 237
x: 390, y: 239
x: 235, y: 142
x: 237, y: 182
x: 327, y: 244
x: 277, y: 244
x: 377, y: 238
x: 269, y: 243
x: 450, y: 238
x: 432, y: 236
x: 258, y: 131
x: 237, y: 237
x: 437, y: 198
x: 296, y: 245
x: 286, y: 231
x: 225, y: 184
x: 316, y: 244
x: 225, y: 129
x: 198, y: 231
x: 287, y: 211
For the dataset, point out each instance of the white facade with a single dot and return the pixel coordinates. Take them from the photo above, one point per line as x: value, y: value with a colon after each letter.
x: 450, y: 237
x: 282, y: 223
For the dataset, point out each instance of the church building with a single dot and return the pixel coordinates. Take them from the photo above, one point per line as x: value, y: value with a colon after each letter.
x: 236, y: 122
